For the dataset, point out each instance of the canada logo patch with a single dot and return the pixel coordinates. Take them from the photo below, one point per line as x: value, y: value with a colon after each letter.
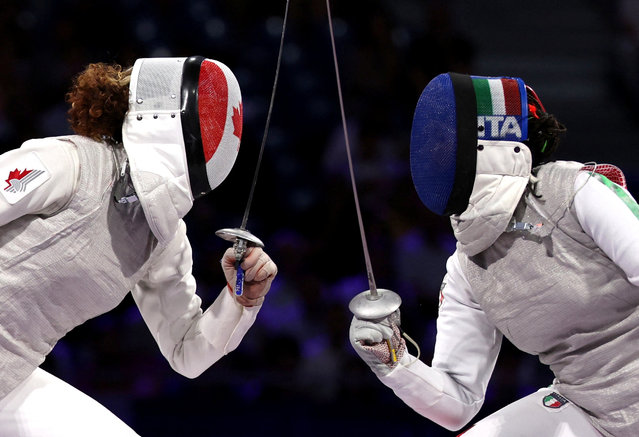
x: 554, y: 400
x: 22, y: 177
x: 18, y: 180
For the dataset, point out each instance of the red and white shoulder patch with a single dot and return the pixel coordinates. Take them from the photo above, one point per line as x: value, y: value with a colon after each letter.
x: 22, y: 176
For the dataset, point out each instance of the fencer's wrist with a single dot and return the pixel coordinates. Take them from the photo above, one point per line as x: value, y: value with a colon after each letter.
x: 247, y: 302
x: 244, y: 300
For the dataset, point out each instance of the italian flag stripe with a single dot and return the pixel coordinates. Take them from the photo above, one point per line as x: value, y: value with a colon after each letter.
x: 512, y: 97
x: 483, y: 96
x: 497, y: 96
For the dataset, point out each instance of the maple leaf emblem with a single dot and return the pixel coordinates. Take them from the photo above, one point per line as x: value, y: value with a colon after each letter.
x: 18, y: 180
x: 16, y: 175
x: 237, y: 121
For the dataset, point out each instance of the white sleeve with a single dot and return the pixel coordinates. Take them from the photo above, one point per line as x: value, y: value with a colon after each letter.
x: 37, y: 178
x: 610, y: 216
x: 189, y: 339
x: 451, y: 392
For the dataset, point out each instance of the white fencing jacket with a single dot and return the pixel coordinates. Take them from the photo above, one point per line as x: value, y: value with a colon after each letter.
x: 452, y: 390
x: 68, y: 253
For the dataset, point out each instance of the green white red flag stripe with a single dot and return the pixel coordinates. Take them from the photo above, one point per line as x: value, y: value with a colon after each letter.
x: 497, y: 96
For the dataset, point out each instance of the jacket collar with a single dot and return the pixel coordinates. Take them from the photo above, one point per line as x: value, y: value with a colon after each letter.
x: 503, y: 172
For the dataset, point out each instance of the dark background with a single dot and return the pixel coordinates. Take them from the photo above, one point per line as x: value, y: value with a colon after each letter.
x: 295, y: 373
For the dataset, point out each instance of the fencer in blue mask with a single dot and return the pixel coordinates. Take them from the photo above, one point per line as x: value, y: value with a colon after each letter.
x: 546, y: 256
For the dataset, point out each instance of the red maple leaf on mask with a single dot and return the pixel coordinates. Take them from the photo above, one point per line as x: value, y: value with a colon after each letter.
x: 237, y: 121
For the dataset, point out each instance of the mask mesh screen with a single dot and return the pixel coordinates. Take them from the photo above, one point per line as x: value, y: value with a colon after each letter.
x: 159, y: 84
x: 434, y: 144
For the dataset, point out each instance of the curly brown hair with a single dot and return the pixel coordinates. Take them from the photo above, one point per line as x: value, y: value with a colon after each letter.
x: 99, y: 99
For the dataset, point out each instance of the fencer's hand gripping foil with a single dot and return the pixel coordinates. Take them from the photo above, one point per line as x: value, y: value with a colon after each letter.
x: 373, y: 304
x: 378, y: 342
x: 242, y: 239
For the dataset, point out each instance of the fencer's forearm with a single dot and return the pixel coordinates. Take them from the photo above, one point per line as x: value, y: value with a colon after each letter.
x: 451, y: 392
x: 189, y: 339
x: 432, y: 393
x: 216, y: 333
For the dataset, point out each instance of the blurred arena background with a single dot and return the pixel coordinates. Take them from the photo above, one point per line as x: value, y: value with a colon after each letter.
x: 295, y: 373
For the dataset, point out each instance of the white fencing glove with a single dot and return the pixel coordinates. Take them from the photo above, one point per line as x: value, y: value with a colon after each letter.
x: 378, y: 342
x: 259, y: 272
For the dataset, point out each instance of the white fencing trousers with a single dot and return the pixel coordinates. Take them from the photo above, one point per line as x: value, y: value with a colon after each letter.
x: 544, y: 413
x: 45, y: 406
